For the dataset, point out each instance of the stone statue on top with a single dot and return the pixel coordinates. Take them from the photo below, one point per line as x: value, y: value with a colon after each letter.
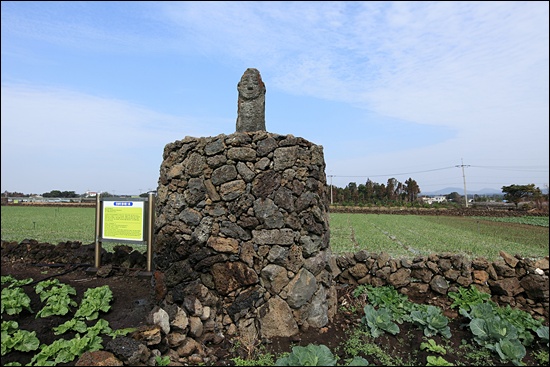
x: 251, y: 102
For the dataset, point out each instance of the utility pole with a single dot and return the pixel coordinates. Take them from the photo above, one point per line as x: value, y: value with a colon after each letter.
x: 464, y: 178
x: 331, y: 202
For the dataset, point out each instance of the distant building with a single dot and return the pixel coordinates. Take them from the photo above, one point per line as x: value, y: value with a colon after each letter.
x: 36, y: 199
x: 433, y: 199
x: 90, y: 194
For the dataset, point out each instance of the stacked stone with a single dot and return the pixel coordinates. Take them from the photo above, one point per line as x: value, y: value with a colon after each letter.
x: 513, y: 280
x: 242, y: 236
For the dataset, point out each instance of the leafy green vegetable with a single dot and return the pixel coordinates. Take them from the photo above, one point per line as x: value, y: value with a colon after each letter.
x: 311, y: 355
x: 437, y: 361
x: 432, y: 346
x: 389, y: 298
x: 491, y: 330
x: 95, y: 300
x: 14, y: 300
x: 14, y: 282
x: 15, y: 338
x: 315, y: 355
x: 379, y: 321
x: 465, y: 298
x: 57, y: 297
x: 542, y: 332
x: 119, y: 332
x: 358, y: 361
x: 432, y: 321
x: 162, y: 361
x: 64, y: 351
x: 500, y: 330
x: 9, y: 327
x: 511, y: 350
x: 479, y: 310
x: 523, y: 321
x: 73, y: 324
x: 100, y: 327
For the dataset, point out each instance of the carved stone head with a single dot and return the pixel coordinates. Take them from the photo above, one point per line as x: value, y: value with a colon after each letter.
x: 251, y: 85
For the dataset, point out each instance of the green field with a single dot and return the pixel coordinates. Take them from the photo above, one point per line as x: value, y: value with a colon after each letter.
x: 51, y: 225
x: 411, y: 235
x: 48, y: 224
x: 399, y: 235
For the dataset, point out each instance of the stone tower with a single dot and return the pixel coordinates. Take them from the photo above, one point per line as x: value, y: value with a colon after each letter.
x: 242, y: 229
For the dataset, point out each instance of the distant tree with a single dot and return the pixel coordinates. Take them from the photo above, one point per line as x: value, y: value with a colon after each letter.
x: 339, y: 195
x: 394, y: 192
x: 497, y: 197
x: 369, y: 191
x: 362, y: 193
x: 14, y: 194
x: 391, y: 188
x: 52, y: 194
x: 400, y: 191
x: 412, y: 190
x: 60, y: 194
x: 519, y: 193
x: 353, y: 191
x: 454, y: 196
x: 379, y: 192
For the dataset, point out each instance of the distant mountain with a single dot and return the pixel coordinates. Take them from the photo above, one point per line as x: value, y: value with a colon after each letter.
x: 448, y: 190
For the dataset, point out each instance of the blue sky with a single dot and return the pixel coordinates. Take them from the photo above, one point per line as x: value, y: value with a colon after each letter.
x: 93, y: 91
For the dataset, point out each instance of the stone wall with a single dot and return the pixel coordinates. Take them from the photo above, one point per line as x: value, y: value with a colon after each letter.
x: 242, y: 235
x: 519, y: 282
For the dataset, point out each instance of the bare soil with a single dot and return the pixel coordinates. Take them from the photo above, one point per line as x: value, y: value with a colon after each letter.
x: 133, y: 299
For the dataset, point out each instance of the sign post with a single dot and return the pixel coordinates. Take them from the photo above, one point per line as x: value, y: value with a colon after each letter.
x: 126, y: 220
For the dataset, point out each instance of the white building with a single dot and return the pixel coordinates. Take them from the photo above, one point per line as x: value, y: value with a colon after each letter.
x: 434, y: 199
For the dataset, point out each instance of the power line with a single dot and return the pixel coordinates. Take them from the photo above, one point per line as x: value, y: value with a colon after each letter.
x: 505, y: 168
x: 398, y: 174
x: 513, y: 168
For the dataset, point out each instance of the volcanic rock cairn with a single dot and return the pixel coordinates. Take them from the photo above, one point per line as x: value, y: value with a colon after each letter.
x: 242, y: 230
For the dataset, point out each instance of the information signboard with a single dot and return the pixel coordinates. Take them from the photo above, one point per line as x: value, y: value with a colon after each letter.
x: 123, y: 220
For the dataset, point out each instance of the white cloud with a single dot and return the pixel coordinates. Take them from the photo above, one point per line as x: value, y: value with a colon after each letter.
x: 56, y: 118
x: 430, y: 63
x: 58, y: 137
